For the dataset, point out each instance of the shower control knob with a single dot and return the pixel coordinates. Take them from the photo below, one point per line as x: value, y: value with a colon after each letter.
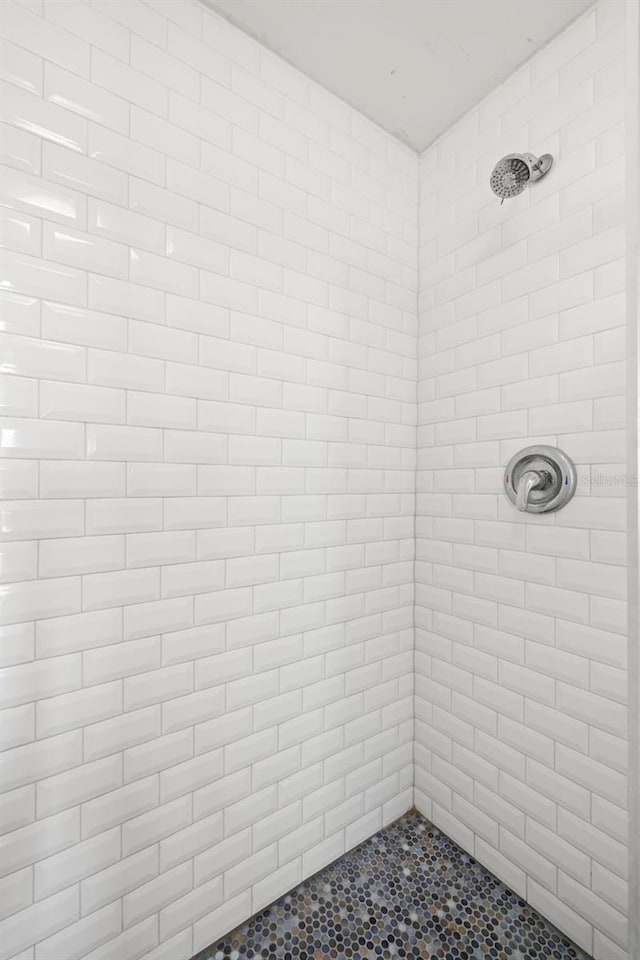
x: 540, y: 479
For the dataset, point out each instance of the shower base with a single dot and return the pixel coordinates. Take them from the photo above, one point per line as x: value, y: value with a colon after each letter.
x: 407, y: 892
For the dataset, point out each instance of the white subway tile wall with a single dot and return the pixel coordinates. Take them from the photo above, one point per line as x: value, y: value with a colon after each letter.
x: 520, y: 619
x: 210, y: 282
x: 209, y: 321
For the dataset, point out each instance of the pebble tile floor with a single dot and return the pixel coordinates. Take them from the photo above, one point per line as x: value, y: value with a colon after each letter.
x: 408, y: 892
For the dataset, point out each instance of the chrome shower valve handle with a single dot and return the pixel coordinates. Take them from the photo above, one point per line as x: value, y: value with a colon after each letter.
x: 528, y: 481
x: 540, y: 479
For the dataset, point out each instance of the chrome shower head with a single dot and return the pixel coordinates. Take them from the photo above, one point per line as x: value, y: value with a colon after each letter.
x: 512, y: 174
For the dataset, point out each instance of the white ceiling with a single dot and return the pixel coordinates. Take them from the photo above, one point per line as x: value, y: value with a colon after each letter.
x: 413, y: 66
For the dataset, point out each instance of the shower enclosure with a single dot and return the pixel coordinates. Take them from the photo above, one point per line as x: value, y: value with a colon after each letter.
x: 264, y: 587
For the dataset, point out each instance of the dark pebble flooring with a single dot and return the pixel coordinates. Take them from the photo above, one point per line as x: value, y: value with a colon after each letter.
x: 407, y: 892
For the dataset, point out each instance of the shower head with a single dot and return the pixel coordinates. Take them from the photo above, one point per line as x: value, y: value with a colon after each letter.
x: 512, y: 174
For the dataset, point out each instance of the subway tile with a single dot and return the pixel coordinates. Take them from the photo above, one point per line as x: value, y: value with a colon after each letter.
x: 20, y: 150
x: 188, y: 380
x: 28, y: 682
x: 88, y: 933
x: 162, y: 273
x: 118, y: 806
x: 62, y: 753
x: 84, y: 98
x: 123, y: 443
x: 108, y: 663
x: 112, y: 369
x: 19, y: 561
x: 585, y: 705
x: 591, y: 577
x: 133, y: 515
x: 165, y: 205
x: 136, y: 18
x: 145, y: 619
x: 589, y: 904
x: 41, y: 920
x: 71, y: 556
x: 60, y: 479
x: 196, y: 185
x: 165, y: 479
x: 152, y: 896
x: 65, y: 401
x: 112, y: 735
x: 17, y: 892
x: 582, y: 769
x: 155, y: 410
x: 89, y: 25
x: 30, y: 357
x: 567, y: 604
x: 125, y: 226
x: 47, y: 40
x: 89, y: 328
x: 188, y: 513
x: 41, y: 278
x: 20, y: 232
x: 113, y: 881
x: 562, y: 356
x: 565, y: 294
x: 163, y: 684
x: 40, y: 599
x: 164, y: 136
x: 591, y: 840
x: 150, y: 758
x: 22, y: 67
x: 196, y: 250
x: 561, y: 418
x: 103, y: 590
x: 19, y: 479
x: 118, y: 151
x: 253, y: 492
x: 125, y: 81
x: 592, y: 252
x: 154, y: 62
x: 165, y: 343
x: 68, y: 867
x: 56, y: 714
x: 187, y: 47
x: 592, y: 317
x: 47, y: 120
x: 25, y: 438
x: 83, y: 251
x: 27, y: 840
x: 142, y: 936
x: 77, y: 632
